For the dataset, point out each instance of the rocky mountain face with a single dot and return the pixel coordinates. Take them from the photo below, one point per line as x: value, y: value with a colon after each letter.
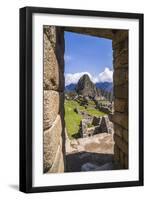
x: 86, y: 87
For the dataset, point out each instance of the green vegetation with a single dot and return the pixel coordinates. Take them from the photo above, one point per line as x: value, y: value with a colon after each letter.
x: 103, y: 102
x: 72, y: 119
x: 91, y: 103
x: 95, y: 112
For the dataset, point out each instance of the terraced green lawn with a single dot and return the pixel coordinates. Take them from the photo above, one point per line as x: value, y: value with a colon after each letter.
x: 103, y: 102
x: 72, y: 119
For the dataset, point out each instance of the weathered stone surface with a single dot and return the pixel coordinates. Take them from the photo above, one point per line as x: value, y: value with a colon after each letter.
x: 50, y: 32
x: 122, y: 156
x: 121, y: 91
x: 116, y: 152
x: 61, y: 166
x: 118, y: 130
x: 60, y: 47
x: 53, y: 76
x: 51, y: 107
x: 123, y: 146
x: 121, y: 105
x: 106, y: 33
x: 120, y: 48
x: 58, y: 164
x: 119, y: 36
x: 126, y: 162
x: 120, y: 76
x: 120, y: 119
x: 51, y: 141
x: 121, y: 61
x: 51, y: 68
x: 125, y: 135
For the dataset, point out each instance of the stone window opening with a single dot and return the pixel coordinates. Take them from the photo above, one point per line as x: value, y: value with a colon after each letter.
x: 54, y: 45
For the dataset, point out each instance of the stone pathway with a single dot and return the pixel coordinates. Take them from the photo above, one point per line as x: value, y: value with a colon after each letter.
x: 90, y: 154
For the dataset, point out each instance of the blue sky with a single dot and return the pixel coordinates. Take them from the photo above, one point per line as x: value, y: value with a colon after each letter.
x: 87, y: 54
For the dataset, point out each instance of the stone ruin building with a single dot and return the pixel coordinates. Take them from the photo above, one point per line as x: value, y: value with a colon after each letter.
x: 95, y: 125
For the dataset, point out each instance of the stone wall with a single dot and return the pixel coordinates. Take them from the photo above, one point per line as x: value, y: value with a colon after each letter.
x: 95, y: 125
x: 120, y: 117
x: 53, y: 86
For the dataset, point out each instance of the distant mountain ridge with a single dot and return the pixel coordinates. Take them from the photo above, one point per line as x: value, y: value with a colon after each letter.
x: 107, y: 86
x: 71, y: 87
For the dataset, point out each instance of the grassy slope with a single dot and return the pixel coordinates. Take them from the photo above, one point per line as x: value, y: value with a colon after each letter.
x: 72, y: 119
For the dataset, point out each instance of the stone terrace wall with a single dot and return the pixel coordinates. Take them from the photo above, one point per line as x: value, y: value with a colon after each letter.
x: 120, y: 117
x: 53, y: 85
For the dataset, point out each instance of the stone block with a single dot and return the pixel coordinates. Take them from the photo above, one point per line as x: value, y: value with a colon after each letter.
x: 58, y: 164
x: 123, y: 146
x: 118, y: 130
x: 120, y: 48
x: 126, y: 162
x: 53, y: 76
x: 120, y: 76
x: 51, y: 141
x: 125, y: 135
x: 51, y: 107
x: 50, y: 32
x: 121, y: 105
x: 121, y: 61
x: 121, y: 91
x: 116, y: 152
x: 120, y: 36
x: 120, y: 119
x: 122, y: 162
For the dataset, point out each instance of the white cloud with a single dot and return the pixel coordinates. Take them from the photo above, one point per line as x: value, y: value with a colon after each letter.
x: 105, y: 76
x: 73, y: 78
